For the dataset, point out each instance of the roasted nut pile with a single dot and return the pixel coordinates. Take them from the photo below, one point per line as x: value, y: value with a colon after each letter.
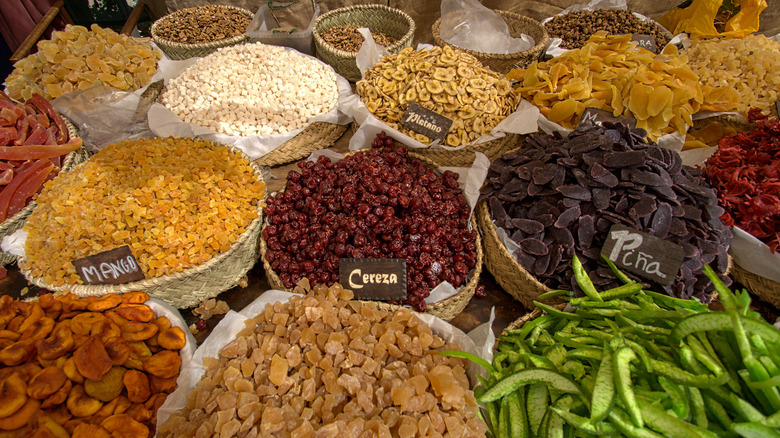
x: 77, y: 58
x: 252, y: 89
x: 202, y: 24
x: 448, y: 81
x: 613, y: 74
x: 348, y: 39
x: 557, y: 197
x: 85, y: 367
x: 575, y: 27
x: 323, y: 366
x: 376, y: 204
x: 747, y: 67
x: 177, y: 202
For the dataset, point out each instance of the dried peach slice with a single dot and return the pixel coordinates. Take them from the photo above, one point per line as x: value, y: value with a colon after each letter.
x: 15, y: 323
x: 80, y: 404
x: 51, y: 425
x: 82, y: 323
x: 58, y: 397
x: 106, y: 329
x: 135, y: 331
x: 117, y: 350
x: 5, y: 342
x: 163, y: 323
x: 135, y: 297
x: 123, y: 425
x: 155, y: 401
x: 35, y: 313
x: 137, y: 385
x: 91, y: 359
x: 13, y: 395
x: 107, y: 388
x: 158, y: 384
x: 39, y: 329
x: 17, y: 352
x: 136, y: 312
x: 46, y: 382
x: 27, y: 370
x: 106, y: 302
x: 172, y: 339
x: 20, y: 417
x: 86, y: 430
x: 8, y: 334
x: 59, y: 343
x: 115, y: 318
x: 164, y: 364
x: 139, y: 351
x: 139, y: 412
x: 71, y: 370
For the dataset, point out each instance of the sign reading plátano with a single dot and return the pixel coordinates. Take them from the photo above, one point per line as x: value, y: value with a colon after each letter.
x: 597, y: 116
x: 374, y: 279
x: 426, y: 122
x: 115, y: 266
x: 643, y: 254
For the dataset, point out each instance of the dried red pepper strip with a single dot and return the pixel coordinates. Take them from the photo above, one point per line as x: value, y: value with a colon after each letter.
x: 34, y: 152
x: 8, y: 192
x: 29, y: 187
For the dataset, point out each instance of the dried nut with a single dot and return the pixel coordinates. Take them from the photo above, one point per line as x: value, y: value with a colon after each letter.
x: 202, y: 24
x: 92, y: 360
x: 80, y: 404
x: 46, y: 382
x: 575, y: 27
x: 347, y: 38
x: 19, y: 418
x: 13, y: 395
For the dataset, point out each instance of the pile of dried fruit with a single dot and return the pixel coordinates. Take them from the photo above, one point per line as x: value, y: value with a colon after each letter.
x: 348, y: 39
x: 447, y: 81
x: 202, y: 24
x: 174, y: 213
x: 557, y: 197
x: 575, y: 27
x: 746, y: 69
x: 745, y: 172
x: 33, y: 143
x: 612, y: 73
x: 85, y: 366
x: 321, y: 365
x: 77, y: 58
x: 379, y: 203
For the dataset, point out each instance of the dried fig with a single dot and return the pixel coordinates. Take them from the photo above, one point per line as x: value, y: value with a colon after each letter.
x: 172, y: 339
x: 158, y: 384
x: 136, y: 312
x: 86, y: 430
x: 46, y: 382
x: 17, y: 352
x: 137, y: 385
x: 82, y: 323
x: 135, y: 331
x: 118, y: 351
x: 70, y: 370
x: 106, y: 302
x: 107, y: 388
x: 80, y: 404
x: 135, y: 297
x: 91, y: 359
x: 164, y: 364
x: 13, y: 395
x: 123, y: 425
x: 58, y: 397
x: 59, y: 343
x: 20, y: 417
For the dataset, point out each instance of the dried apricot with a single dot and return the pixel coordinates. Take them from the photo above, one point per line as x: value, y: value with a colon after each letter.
x: 13, y: 395
x: 17, y: 352
x: 58, y: 397
x: 139, y: 412
x: 135, y: 297
x: 8, y: 334
x: 106, y: 329
x: 164, y: 364
x: 46, y: 382
x: 80, y: 404
x: 136, y: 312
x: 118, y: 320
x: 39, y: 329
x: 117, y: 350
x: 20, y: 417
x: 137, y: 385
x: 163, y: 323
x: 59, y: 343
x: 82, y: 323
x: 138, y: 331
x: 139, y: 351
x: 86, y: 430
x: 108, y: 387
x: 35, y: 313
x: 159, y: 384
x: 172, y: 339
x: 91, y: 359
x: 106, y: 302
x: 70, y: 370
x: 51, y: 425
x: 123, y: 425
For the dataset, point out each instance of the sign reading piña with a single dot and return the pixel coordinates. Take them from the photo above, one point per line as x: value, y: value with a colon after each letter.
x: 643, y: 254
x: 115, y: 266
x: 374, y: 279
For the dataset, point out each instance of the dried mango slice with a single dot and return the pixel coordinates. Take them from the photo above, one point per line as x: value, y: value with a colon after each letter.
x: 562, y: 110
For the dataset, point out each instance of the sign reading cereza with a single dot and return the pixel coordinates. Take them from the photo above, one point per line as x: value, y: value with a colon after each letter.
x: 644, y: 255
x: 374, y: 279
x: 115, y: 266
x: 597, y: 116
x: 426, y: 122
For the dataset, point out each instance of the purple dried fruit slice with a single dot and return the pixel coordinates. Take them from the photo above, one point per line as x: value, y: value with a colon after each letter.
x: 586, y: 229
x: 575, y: 192
x: 602, y: 175
x: 534, y: 247
x: 544, y: 174
x: 567, y: 217
x: 624, y: 159
x: 644, y: 207
x: 528, y: 226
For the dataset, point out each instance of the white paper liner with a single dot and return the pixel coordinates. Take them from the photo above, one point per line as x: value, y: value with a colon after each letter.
x: 754, y: 255
x: 163, y: 122
x: 477, y: 342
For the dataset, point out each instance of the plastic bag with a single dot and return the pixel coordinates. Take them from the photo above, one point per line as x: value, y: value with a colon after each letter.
x: 710, y: 18
x: 370, y: 52
x: 266, y: 29
x: 468, y: 24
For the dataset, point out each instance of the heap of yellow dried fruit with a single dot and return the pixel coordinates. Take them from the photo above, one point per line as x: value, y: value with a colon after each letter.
x: 73, y: 366
x: 77, y: 58
x: 611, y: 73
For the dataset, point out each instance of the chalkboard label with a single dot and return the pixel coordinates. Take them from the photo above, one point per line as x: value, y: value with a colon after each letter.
x: 777, y: 108
x: 597, y: 116
x: 116, y: 266
x: 374, y: 279
x: 645, y: 255
x: 426, y: 122
x: 645, y: 41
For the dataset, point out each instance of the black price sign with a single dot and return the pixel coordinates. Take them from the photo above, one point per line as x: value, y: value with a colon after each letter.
x: 644, y: 255
x: 374, y: 279
x: 777, y: 108
x: 645, y: 41
x: 597, y: 116
x: 426, y: 122
x: 115, y: 266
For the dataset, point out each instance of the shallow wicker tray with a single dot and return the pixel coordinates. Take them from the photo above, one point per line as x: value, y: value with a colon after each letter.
x: 176, y: 50
x: 518, y: 24
x: 318, y: 135
x: 10, y: 225
x: 766, y: 289
x: 191, y: 286
x: 378, y: 18
x: 464, y: 157
x: 446, y: 309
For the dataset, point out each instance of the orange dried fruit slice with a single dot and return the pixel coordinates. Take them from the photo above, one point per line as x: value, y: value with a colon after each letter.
x: 13, y: 395
x: 106, y: 329
x: 91, y: 359
x: 135, y: 297
x: 51, y: 425
x: 139, y: 351
x: 139, y: 412
x: 86, y: 430
x: 17, y: 352
x: 161, y: 385
x: 115, y: 318
x: 118, y: 351
x: 8, y: 334
x: 35, y: 313
x: 106, y: 302
x: 137, y: 385
x: 107, y: 388
x: 172, y: 339
x: 58, y: 397
x: 80, y: 404
x: 136, y: 312
x: 164, y: 364
x: 20, y: 418
x: 135, y: 331
x: 82, y: 323
x: 123, y: 425
x: 39, y: 329
x: 46, y: 382
x: 70, y: 370
x: 163, y: 323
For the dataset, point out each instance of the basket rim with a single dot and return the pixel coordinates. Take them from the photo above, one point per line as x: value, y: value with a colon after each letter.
x: 88, y: 289
x: 404, y: 40
x: 225, y: 41
x: 539, y: 45
x: 438, y: 308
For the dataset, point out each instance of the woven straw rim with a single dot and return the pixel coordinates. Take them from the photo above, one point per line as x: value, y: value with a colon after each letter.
x: 766, y: 289
x: 398, y: 45
x: 445, y: 309
x: 86, y: 290
x: 212, y: 44
x: 507, y: 15
x: 315, y: 136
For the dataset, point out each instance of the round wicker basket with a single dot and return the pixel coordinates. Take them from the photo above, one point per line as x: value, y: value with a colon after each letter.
x: 766, y: 289
x: 191, y: 286
x: 518, y: 24
x: 318, y: 135
x: 177, y: 50
x: 464, y: 157
x: 378, y: 18
x: 10, y: 225
x: 446, y: 309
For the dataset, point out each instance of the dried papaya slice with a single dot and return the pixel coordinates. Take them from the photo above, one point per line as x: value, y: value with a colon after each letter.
x: 91, y: 359
x: 135, y: 331
x: 106, y: 302
x: 164, y: 364
x: 20, y: 417
x: 172, y: 339
x: 136, y: 312
x: 46, y: 382
x: 137, y: 385
x: 13, y: 395
x: 124, y: 425
x: 80, y: 404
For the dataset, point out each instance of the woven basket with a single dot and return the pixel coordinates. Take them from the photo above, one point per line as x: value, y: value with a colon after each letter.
x: 176, y: 50
x: 446, y: 309
x: 10, y: 225
x: 318, y: 135
x: 766, y: 289
x: 191, y: 286
x: 378, y: 18
x: 464, y: 157
x: 518, y: 24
